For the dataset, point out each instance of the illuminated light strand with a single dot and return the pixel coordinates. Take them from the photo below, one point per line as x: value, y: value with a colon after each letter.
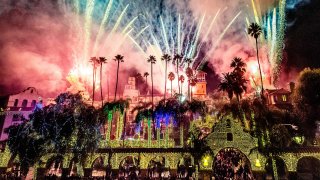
x: 164, y: 35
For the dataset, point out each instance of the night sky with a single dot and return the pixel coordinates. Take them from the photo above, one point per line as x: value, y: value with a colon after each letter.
x: 302, y: 38
x: 302, y: 45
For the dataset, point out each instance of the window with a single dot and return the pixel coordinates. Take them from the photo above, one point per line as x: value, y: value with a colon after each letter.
x: 24, y: 103
x: 284, y: 98
x: 229, y: 137
x: 31, y: 91
x: 33, y: 103
x: 16, y: 101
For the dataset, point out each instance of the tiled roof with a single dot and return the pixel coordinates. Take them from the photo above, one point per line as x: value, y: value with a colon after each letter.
x: 278, y: 91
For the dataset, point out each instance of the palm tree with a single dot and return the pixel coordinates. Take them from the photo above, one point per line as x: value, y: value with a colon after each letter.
x: 255, y: 30
x: 101, y: 61
x: 94, y: 62
x: 152, y: 60
x: 171, y: 77
x: 226, y: 84
x: 238, y: 65
x: 181, y: 79
x: 146, y: 74
x: 189, y: 73
x: 238, y: 74
x: 118, y: 58
x: 177, y: 58
x: 166, y: 58
x: 192, y: 81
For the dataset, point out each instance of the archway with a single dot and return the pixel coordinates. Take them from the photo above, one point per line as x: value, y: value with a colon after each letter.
x: 308, y: 167
x: 231, y: 163
x: 129, y: 168
x: 54, y: 167
x: 281, y: 168
x: 13, y: 168
x: 185, y: 167
x: 98, y: 169
x: 157, y: 168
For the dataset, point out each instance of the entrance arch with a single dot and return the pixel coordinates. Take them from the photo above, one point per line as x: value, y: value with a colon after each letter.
x: 185, y: 167
x: 98, y: 169
x: 157, y: 168
x: 54, y: 166
x: 231, y: 163
x: 281, y: 168
x: 308, y: 166
x: 129, y: 168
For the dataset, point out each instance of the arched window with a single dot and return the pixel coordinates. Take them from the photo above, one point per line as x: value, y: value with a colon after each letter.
x: 24, y: 103
x: 33, y: 103
x: 16, y: 101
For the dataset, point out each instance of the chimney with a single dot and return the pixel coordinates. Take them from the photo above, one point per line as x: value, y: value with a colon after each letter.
x: 292, y: 86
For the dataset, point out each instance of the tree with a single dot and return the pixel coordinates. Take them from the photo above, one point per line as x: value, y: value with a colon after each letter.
x: 193, y: 81
x: 238, y: 65
x: 171, y: 77
x: 255, y: 30
x: 68, y: 125
x: 181, y: 79
x: 146, y: 74
x: 118, y: 58
x: 307, y: 100
x: 226, y: 84
x: 177, y: 59
x: 95, y: 63
x: 166, y: 58
x: 101, y: 61
x: 189, y: 73
x: 152, y: 60
x: 234, y: 83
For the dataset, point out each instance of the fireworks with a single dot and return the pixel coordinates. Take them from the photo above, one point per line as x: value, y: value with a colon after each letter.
x: 153, y: 28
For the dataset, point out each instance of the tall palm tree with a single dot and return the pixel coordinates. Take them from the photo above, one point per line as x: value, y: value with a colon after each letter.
x: 181, y: 79
x: 255, y: 30
x: 146, y: 74
x: 193, y: 81
x: 152, y: 60
x: 177, y: 58
x: 189, y: 73
x: 118, y: 58
x: 95, y: 63
x: 166, y: 58
x: 101, y: 61
x: 171, y: 77
x: 226, y: 84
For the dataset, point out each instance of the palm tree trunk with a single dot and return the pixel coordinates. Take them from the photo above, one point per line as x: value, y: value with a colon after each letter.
x: 189, y: 90
x: 171, y: 88
x: 108, y: 85
x: 165, y: 82
x: 154, y: 127
x: 93, y: 84
x: 101, y: 85
x: 115, y: 92
x: 259, y: 67
x: 191, y: 94
x: 178, y: 75
x: 145, y: 100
